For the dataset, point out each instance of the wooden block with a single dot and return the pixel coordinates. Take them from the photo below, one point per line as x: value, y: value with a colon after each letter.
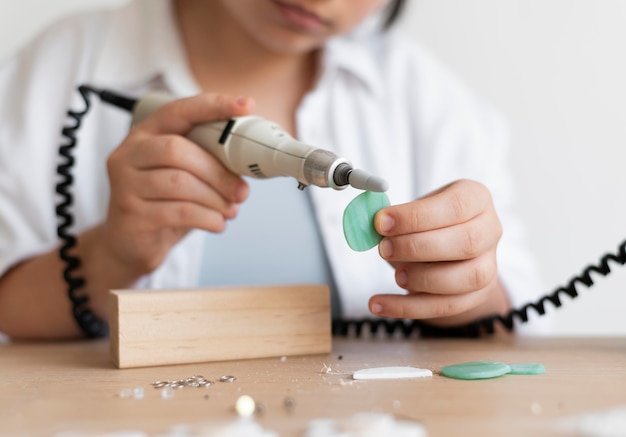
x: 159, y: 327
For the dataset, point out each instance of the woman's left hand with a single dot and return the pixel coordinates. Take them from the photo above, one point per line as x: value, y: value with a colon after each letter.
x: 443, y: 249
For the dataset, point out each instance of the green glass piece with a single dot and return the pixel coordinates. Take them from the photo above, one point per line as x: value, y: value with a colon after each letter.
x: 527, y: 369
x: 358, y: 220
x: 476, y: 370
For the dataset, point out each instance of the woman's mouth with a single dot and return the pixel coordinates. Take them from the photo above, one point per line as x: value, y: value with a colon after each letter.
x: 301, y: 18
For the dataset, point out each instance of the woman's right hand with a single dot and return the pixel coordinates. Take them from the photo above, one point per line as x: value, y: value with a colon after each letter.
x: 163, y: 185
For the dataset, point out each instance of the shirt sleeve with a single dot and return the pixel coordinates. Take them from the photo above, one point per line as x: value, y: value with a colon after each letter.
x: 37, y: 85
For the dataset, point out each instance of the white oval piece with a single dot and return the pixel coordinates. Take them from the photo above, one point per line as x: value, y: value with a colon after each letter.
x: 396, y: 372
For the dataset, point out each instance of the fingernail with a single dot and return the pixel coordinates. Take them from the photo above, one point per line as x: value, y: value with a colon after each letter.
x: 232, y: 211
x: 386, y: 223
x: 377, y: 308
x: 242, y: 193
x: 386, y: 248
x: 241, y: 101
x: 402, y: 278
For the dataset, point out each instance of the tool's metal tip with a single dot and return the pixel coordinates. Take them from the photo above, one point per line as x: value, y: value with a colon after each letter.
x: 364, y: 181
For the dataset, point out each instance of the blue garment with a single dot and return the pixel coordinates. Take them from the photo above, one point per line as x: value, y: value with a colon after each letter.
x: 275, y: 235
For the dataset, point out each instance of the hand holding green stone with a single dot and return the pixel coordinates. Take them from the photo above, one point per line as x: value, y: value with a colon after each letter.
x: 442, y: 247
x: 358, y: 220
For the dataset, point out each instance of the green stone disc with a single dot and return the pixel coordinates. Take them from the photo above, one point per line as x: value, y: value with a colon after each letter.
x: 358, y: 220
x: 476, y: 370
x: 527, y: 369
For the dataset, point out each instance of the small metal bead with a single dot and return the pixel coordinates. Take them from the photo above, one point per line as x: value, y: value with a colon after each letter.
x: 227, y: 378
x: 260, y: 409
x: 125, y: 393
x: 289, y: 403
x: 138, y: 392
x: 167, y: 393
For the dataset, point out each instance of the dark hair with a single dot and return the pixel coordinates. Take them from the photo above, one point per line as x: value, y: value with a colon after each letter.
x: 394, y: 10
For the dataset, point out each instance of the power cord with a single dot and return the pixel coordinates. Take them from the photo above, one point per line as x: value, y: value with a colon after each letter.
x: 88, y: 322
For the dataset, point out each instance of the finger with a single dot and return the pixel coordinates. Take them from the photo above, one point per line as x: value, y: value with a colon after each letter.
x: 173, y: 151
x: 448, y: 277
x: 168, y: 184
x: 460, y: 242
x: 179, y: 116
x: 425, y: 306
x: 182, y: 215
x: 455, y: 203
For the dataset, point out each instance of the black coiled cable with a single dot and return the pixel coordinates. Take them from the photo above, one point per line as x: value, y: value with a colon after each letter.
x: 487, y: 325
x: 89, y: 323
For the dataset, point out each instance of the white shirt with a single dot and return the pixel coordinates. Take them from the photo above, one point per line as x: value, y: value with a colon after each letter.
x: 274, y: 240
x: 384, y: 104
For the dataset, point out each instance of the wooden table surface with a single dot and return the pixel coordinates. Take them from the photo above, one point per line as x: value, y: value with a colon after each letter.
x: 56, y: 388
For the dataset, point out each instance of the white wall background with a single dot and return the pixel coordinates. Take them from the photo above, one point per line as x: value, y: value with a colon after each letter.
x: 557, y: 69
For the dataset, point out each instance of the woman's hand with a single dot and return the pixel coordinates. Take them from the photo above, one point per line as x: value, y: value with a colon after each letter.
x: 443, y: 248
x: 163, y: 185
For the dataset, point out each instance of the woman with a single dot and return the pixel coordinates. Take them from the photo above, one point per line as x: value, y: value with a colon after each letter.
x: 330, y: 73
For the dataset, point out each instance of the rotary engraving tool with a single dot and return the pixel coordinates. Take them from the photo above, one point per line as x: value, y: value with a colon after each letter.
x: 253, y: 146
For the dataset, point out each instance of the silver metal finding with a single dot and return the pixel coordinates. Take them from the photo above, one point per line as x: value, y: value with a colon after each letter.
x: 196, y: 381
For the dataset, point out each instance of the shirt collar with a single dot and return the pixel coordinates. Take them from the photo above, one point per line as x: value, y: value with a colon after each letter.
x: 357, y: 58
x: 359, y: 52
